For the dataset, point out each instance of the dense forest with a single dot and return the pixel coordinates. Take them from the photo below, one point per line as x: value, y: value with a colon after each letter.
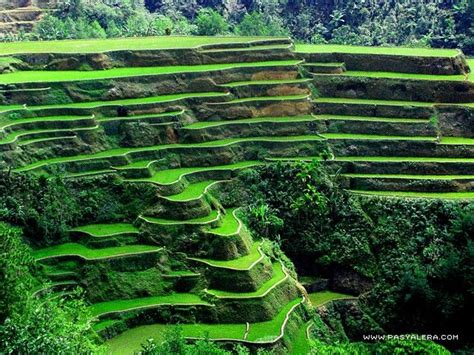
x: 370, y: 22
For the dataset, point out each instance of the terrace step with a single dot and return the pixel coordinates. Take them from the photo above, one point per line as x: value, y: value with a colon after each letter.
x: 396, y: 75
x: 115, y: 103
x: 45, y: 123
x: 208, y: 220
x: 249, y: 121
x: 375, y: 125
x: 231, y: 224
x: 23, y: 136
x: 325, y: 68
x: 236, y: 84
x: 248, y: 333
x: 173, y: 176
x: 124, y: 153
x: 105, y: 235
x: 82, y: 252
x: 117, y: 307
x: 39, y: 76
x: 279, y: 276
x: 423, y: 195
x: 243, y: 263
x: 46, y: 140
x: 247, y: 49
x: 411, y: 183
x: 192, y: 192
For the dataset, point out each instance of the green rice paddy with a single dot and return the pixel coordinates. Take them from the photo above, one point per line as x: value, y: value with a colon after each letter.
x: 243, y: 263
x: 192, y: 191
x: 319, y: 298
x: 164, y: 177
x: 370, y: 119
x: 79, y: 250
x: 117, y: 306
x: 124, y: 151
x: 198, y: 221
x: 230, y: 224
x: 129, y: 342
x: 374, y: 137
x: 277, y: 277
x: 265, y: 331
x: 107, y: 45
x: 397, y: 75
x: 105, y: 230
x: 288, y: 119
x: 268, y: 98
x: 122, y: 102
x: 457, y: 140
x: 33, y: 76
x: 340, y: 100
x: 419, y: 52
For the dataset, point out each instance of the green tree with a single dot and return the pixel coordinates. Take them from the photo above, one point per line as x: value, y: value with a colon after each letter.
x: 210, y: 23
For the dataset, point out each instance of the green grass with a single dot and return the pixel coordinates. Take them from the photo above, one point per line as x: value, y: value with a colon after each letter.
x: 457, y: 140
x: 230, y: 224
x: 34, y: 76
x: 408, y: 176
x: 370, y: 119
x: 277, y: 277
x: 104, y: 230
x: 104, y: 45
x: 421, y: 52
x: 271, y: 329
x: 210, y: 124
x: 122, y: 102
x: 74, y: 249
x: 375, y: 137
x: 129, y: 342
x: 265, y: 82
x: 198, y: 221
x: 396, y: 75
x: 243, y: 263
x: 124, y: 151
x: 410, y: 194
x: 322, y: 297
x: 192, y: 191
x: 103, y: 308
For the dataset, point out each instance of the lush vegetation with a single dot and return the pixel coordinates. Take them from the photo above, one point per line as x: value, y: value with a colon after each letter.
x: 30, y: 324
x: 415, y: 256
x: 427, y: 23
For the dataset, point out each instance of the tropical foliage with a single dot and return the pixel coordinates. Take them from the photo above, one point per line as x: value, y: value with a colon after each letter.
x: 368, y: 22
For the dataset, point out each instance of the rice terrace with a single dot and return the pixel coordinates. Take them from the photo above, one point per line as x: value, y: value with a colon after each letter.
x: 229, y: 193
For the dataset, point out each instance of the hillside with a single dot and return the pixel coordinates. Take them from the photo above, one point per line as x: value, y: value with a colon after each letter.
x: 167, y: 124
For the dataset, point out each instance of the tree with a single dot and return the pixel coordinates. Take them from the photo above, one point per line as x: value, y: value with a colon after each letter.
x: 210, y: 23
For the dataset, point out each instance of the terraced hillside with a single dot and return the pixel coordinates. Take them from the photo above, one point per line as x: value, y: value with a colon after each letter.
x: 21, y: 15
x: 180, y: 118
